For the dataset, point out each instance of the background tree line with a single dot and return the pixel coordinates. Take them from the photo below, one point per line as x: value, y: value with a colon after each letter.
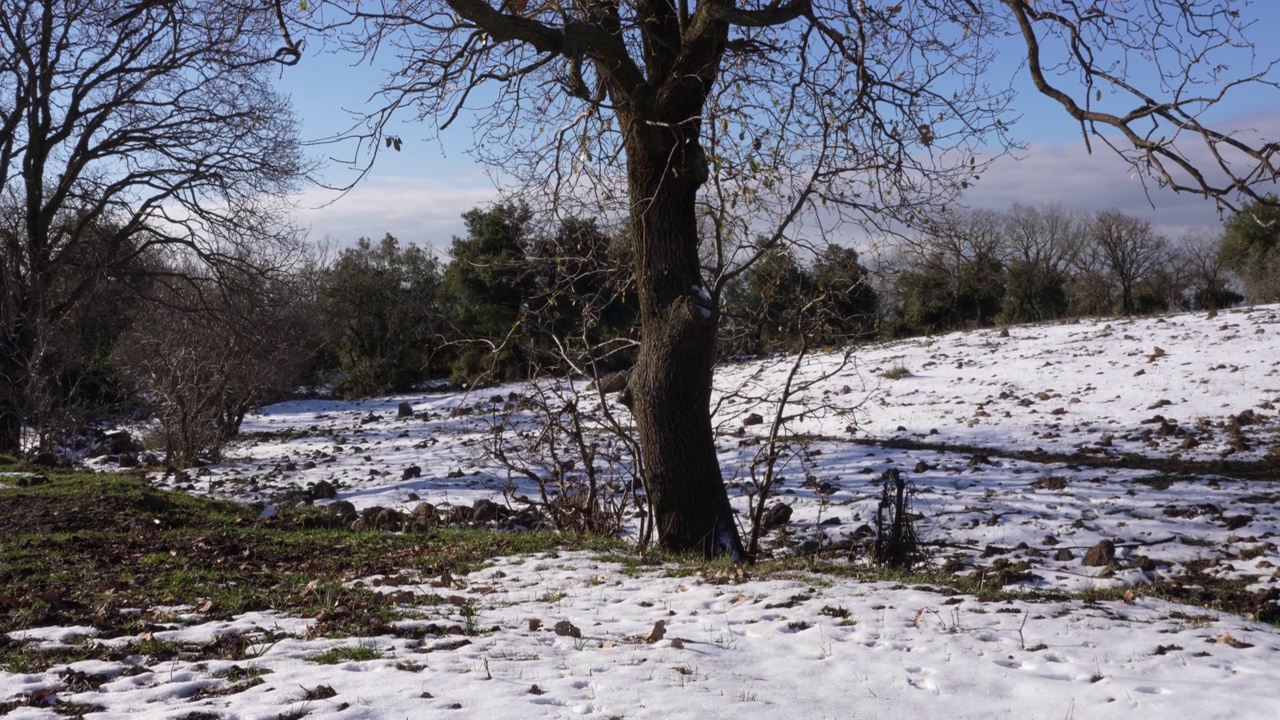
x: 978, y: 268
x: 512, y: 300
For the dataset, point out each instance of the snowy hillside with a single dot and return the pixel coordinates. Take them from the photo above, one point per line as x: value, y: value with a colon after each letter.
x: 1153, y: 442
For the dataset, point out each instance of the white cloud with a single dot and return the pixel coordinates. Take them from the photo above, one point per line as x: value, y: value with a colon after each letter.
x: 424, y: 211
x: 1068, y: 173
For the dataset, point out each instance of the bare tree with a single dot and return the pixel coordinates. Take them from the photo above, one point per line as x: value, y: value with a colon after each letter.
x: 777, y: 117
x: 954, y: 275
x: 1040, y: 245
x: 131, y: 127
x: 1207, y: 270
x: 1129, y: 249
x: 208, y: 351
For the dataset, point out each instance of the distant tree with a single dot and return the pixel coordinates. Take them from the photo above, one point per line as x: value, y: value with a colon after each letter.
x: 583, y: 304
x: 955, y: 277
x: 486, y: 285
x: 1251, y: 248
x: 1039, y: 245
x: 1129, y: 250
x: 848, y: 305
x: 128, y: 128
x: 1205, y: 267
x: 204, y: 352
x: 384, y: 302
x: 773, y: 294
x: 927, y: 301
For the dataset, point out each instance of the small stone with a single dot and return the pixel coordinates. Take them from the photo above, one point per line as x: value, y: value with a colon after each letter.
x: 484, y: 511
x: 564, y: 628
x: 1100, y: 555
x: 324, y: 490
x: 659, y: 630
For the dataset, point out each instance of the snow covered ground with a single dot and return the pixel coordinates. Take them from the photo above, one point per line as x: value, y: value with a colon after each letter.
x: 1027, y: 448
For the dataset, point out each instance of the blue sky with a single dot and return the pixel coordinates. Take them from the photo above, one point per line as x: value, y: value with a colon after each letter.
x: 419, y: 193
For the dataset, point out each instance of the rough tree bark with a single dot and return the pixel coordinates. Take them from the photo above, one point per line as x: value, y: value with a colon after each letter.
x: 670, y: 386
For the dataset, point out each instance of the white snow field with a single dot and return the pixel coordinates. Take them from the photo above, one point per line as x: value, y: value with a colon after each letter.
x: 1026, y: 449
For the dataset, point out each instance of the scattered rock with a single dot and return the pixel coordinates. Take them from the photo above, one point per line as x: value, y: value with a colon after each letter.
x: 1050, y: 482
x: 1100, y: 555
x: 323, y: 490
x: 775, y: 516
x: 1063, y: 555
x: 484, y: 511
x: 564, y: 628
x: 115, y: 443
x: 1235, y: 522
x: 404, y: 410
x: 27, y: 480
x: 343, y: 511
x: 613, y: 382
x: 379, y: 518
x: 1144, y: 563
x: 423, y: 516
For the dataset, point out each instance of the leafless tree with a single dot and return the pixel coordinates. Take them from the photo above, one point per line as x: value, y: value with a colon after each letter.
x: 1040, y: 246
x: 784, y: 118
x: 1207, y: 270
x: 209, y: 350
x: 131, y: 127
x: 1129, y: 249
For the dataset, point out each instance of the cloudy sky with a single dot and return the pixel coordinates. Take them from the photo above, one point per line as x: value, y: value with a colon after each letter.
x: 419, y: 193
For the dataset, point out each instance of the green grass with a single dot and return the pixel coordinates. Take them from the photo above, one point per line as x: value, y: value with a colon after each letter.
x: 897, y: 372
x: 347, y: 653
x: 82, y: 546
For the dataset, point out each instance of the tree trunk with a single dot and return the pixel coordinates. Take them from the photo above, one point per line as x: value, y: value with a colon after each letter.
x: 670, y: 386
x: 16, y: 348
x: 10, y: 427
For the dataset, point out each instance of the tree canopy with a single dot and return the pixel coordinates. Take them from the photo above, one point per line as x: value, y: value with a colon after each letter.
x: 128, y: 130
